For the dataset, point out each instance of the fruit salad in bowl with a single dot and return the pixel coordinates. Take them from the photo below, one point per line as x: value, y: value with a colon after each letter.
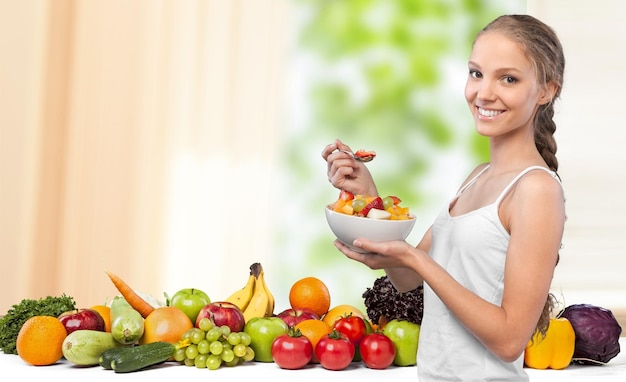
x: 372, y: 217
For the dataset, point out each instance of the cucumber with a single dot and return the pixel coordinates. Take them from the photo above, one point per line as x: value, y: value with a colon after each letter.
x: 127, y: 324
x: 142, y: 356
x: 109, y: 355
x: 84, y: 347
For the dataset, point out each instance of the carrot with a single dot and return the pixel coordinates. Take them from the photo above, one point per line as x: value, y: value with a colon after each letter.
x: 134, y: 299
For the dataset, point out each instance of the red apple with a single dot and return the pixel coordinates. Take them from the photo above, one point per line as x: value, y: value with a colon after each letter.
x: 82, y: 319
x: 223, y: 313
x: 294, y: 316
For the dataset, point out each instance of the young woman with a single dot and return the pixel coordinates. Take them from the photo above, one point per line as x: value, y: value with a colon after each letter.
x: 487, y: 261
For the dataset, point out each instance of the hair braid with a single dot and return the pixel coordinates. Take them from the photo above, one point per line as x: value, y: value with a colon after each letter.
x: 544, y: 135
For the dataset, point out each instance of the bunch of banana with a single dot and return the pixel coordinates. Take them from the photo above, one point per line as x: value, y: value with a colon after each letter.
x: 255, y: 298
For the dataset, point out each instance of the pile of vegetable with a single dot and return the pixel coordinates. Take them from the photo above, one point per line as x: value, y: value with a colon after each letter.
x: 584, y: 334
x: 384, y: 303
x: 597, y: 333
x: 12, y: 322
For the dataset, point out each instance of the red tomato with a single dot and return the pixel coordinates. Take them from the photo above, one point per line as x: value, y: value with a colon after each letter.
x: 292, y: 350
x: 334, y: 351
x: 377, y: 351
x: 353, y: 327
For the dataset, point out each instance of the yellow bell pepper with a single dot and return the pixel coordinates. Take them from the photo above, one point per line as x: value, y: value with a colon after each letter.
x: 556, y: 350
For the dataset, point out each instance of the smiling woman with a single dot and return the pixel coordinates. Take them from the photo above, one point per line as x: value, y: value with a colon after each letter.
x: 127, y: 127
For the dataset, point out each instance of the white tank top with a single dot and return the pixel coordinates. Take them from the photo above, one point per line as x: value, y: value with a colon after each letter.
x: 472, y: 248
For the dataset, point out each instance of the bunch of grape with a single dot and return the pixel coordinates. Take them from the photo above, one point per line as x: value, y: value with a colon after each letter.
x: 211, y: 346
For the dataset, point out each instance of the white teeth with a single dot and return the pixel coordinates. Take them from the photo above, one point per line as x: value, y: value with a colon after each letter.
x: 488, y: 113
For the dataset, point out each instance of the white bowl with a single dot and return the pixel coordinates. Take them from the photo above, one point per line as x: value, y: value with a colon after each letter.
x: 348, y: 227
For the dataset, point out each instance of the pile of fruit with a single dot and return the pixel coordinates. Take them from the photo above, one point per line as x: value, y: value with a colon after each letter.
x: 373, y: 207
x: 131, y: 334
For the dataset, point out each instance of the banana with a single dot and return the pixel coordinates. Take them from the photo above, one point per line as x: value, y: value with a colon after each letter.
x: 270, y: 297
x: 258, y: 305
x: 242, y: 297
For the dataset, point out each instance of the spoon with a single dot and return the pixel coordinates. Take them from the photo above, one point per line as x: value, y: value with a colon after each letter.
x: 361, y: 155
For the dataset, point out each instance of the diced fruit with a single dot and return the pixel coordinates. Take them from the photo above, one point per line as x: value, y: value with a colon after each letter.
x: 387, y: 202
x: 378, y: 214
x: 347, y: 209
x: 376, y: 203
x: 358, y: 205
x: 346, y: 195
x: 362, y: 205
x: 362, y: 154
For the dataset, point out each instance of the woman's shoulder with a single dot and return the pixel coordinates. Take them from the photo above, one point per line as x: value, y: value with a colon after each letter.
x: 539, y: 183
x: 539, y: 176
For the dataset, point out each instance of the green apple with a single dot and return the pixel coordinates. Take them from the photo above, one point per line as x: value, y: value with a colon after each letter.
x: 190, y: 301
x: 404, y: 335
x: 263, y: 331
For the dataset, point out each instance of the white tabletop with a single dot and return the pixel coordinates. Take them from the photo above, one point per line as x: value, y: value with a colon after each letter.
x: 615, y: 370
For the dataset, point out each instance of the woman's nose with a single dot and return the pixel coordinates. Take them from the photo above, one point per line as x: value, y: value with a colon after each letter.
x: 486, y: 90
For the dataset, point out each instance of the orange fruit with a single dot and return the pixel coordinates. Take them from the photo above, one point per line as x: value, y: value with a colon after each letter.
x: 166, y: 323
x: 105, y: 312
x: 339, y: 311
x: 314, y: 330
x: 40, y: 340
x: 310, y: 293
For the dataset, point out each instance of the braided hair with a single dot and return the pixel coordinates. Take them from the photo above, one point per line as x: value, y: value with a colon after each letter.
x: 543, y: 49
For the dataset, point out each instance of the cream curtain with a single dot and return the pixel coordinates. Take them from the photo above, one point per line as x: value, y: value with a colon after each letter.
x: 138, y: 137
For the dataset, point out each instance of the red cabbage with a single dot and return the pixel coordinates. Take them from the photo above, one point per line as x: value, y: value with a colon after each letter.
x: 597, y: 333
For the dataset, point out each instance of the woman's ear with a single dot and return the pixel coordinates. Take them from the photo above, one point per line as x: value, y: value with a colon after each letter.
x: 548, y: 93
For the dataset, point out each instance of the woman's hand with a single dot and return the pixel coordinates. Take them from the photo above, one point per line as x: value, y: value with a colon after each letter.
x: 383, y: 255
x: 346, y: 173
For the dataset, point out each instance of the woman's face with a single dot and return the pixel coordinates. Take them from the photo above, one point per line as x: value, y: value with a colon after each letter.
x: 501, y: 90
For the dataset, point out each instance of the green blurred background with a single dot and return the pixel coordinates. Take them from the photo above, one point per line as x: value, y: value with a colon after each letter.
x: 385, y: 76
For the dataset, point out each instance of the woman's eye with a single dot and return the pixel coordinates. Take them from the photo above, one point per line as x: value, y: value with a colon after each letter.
x: 509, y: 80
x: 475, y: 73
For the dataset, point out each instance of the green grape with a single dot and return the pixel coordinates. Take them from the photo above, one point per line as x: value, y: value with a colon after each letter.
x: 225, y: 330
x: 232, y: 363
x: 239, y: 350
x: 179, y: 355
x: 205, y: 324
x: 203, y: 346
x: 200, y: 361
x: 187, y: 335
x: 226, y: 345
x: 227, y: 355
x: 213, y: 362
x: 189, y: 362
x: 358, y: 205
x: 234, y: 338
x: 216, y: 347
x: 245, y: 338
x: 191, y: 351
x: 249, y: 356
x: 197, y: 335
x: 213, y: 334
x: 387, y: 202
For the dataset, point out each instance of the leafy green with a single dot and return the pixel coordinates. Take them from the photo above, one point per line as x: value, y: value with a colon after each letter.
x: 11, y: 323
x: 384, y: 303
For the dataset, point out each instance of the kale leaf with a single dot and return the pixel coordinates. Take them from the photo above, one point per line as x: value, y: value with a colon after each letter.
x: 11, y: 323
x: 384, y: 303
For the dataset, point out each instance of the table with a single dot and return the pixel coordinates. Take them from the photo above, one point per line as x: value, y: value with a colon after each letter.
x: 12, y: 365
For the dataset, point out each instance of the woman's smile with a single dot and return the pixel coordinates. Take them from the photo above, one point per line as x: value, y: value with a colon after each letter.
x: 488, y: 113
